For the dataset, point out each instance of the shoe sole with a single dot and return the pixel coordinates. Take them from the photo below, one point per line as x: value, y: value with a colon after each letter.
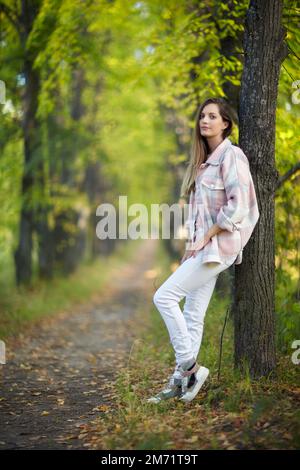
x: 154, y: 400
x: 161, y: 399
x: 201, y: 376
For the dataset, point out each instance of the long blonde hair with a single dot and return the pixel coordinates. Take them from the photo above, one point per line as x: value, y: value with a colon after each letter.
x: 199, y: 148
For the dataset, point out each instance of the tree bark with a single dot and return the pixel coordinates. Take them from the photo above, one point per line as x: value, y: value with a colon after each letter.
x: 254, y: 305
x: 23, y: 252
x: 69, y: 248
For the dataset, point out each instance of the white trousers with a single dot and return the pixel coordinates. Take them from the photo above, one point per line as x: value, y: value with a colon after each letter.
x: 195, y: 282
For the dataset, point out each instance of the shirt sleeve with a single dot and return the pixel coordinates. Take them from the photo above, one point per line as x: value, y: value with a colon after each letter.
x: 237, y: 181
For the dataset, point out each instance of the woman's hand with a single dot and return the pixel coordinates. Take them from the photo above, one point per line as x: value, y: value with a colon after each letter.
x: 214, y: 230
x: 187, y: 254
x: 206, y: 239
x: 190, y: 253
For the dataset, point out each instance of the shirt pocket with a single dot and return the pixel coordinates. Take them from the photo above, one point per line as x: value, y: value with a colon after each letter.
x: 213, y: 184
x: 214, y: 193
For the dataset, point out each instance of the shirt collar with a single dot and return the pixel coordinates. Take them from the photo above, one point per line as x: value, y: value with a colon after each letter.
x: 214, y: 158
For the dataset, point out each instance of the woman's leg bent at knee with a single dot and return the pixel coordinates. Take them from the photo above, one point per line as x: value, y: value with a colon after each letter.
x: 189, y: 276
x: 194, y: 311
x: 167, y: 301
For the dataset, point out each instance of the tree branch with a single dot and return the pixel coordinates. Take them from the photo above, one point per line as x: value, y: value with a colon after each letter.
x: 288, y: 175
x: 11, y: 15
x: 293, y: 52
x: 290, y: 75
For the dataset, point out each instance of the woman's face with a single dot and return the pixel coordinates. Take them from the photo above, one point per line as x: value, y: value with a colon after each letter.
x: 211, y: 122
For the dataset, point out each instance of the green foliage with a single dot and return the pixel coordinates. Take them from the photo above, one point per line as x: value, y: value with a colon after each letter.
x: 119, y: 85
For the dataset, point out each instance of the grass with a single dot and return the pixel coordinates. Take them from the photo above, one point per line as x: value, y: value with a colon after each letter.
x: 234, y: 413
x: 22, y: 307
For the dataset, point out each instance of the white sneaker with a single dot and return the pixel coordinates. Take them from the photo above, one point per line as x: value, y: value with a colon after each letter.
x: 189, y: 393
x: 172, y: 390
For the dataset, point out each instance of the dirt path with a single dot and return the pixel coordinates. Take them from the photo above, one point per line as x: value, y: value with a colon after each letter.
x: 57, y: 378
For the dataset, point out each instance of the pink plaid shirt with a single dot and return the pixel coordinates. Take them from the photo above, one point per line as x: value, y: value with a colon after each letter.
x: 224, y: 195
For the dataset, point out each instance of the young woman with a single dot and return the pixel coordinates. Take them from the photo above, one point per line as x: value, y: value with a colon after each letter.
x: 223, y: 212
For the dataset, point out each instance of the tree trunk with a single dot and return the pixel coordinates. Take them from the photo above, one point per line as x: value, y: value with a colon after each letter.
x: 69, y: 248
x: 45, y: 243
x: 23, y: 253
x: 254, y: 305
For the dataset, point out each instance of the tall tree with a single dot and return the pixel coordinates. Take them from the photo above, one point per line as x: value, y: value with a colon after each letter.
x: 23, y: 19
x: 254, y: 304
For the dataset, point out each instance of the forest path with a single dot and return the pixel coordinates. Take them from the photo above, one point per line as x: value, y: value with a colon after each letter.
x: 62, y: 374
